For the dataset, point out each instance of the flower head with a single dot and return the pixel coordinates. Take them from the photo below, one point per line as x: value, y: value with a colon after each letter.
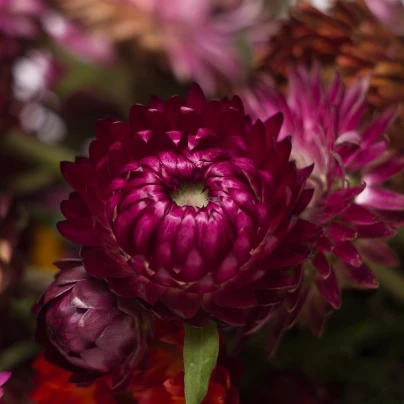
x: 203, y: 40
x: 191, y: 209
x: 351, y: 164
x: 87, y: 330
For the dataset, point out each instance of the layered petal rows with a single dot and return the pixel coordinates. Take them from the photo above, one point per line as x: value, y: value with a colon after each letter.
x: 87, y: 330
x: 191, y: 209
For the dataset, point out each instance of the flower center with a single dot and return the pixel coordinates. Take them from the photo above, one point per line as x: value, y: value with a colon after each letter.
x: 191, y: 194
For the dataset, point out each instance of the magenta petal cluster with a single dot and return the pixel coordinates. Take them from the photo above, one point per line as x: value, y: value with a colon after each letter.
x: 190, y: 208
x: 208, y: 39
x: 17, y: 18
x: 351, y: 164
x: 4, y: 376
x: 86, y: 329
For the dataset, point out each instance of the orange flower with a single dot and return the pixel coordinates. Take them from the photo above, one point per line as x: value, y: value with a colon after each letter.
x: 52, y: 386
x: 161, y: 381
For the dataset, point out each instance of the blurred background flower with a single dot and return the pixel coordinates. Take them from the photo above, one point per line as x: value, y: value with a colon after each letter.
x: 208, y: 41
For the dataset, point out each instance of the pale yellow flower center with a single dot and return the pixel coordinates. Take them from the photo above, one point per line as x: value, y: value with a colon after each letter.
x: 191, y: 194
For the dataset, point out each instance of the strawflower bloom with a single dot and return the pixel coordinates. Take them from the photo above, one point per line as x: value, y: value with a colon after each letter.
x: 51, y: 385
x: 89, y: 331
x: 4, y: 376
x: 190, y: 208
x: 351, y: 164
x: 351, y: 37
x: 161, y: 380
x: 202, y: 40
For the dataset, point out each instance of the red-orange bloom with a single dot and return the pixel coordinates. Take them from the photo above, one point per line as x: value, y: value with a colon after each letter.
x: 52, y: 386
x: 162, y: 380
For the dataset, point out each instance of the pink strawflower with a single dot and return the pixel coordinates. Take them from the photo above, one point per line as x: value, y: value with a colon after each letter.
x: 213, y: 42
x: 191, y: 209
x: 205, y: 38
x: 351, y: 164
x: 4, y: 376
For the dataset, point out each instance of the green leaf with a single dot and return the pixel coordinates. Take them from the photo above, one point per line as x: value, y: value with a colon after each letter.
x: 201, y: 348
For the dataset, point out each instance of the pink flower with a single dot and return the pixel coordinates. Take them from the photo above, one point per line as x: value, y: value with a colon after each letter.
x: 17, y: 17
x: 203, y: 39
x: 351, y: 164
x: 4, y: 376
x: 191, y: 209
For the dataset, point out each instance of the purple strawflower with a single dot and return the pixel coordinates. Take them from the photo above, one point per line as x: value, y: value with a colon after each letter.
x: 89, y: 331
x: 351, y: 164
x: 190, y: 208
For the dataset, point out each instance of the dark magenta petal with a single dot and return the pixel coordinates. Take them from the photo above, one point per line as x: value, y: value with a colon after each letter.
x: 339, y: 232
x: 98, y: 264
x: 376, y: 230
x: 79, y: 231
x: 322, y: 265
x: 362, y: 276
x: 358, y: 214
x: 348, y: 253
x: 196, y: 98
x: 330, y: 290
